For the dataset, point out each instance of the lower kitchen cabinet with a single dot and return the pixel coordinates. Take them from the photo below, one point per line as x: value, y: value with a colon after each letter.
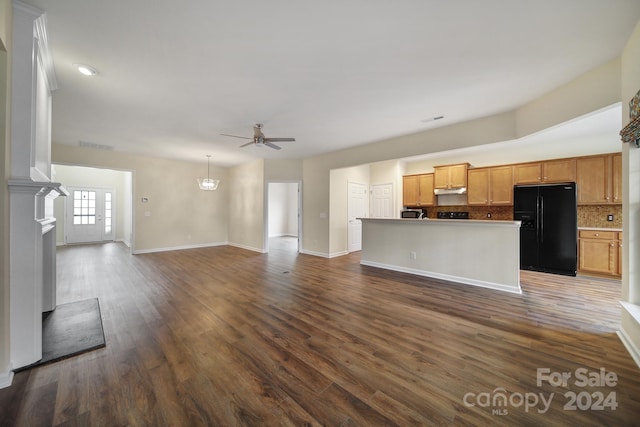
x: 600, y: 251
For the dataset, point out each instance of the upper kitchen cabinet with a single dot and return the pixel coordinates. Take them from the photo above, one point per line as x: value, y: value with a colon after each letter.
x: 490, y: 186
x: 563, y: 170
x: 599, y: 179
x: 616, y: 177
x: 417, y: 190
x: 452, y: 176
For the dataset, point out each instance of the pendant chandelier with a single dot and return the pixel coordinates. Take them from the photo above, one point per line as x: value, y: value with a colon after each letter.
x: 207, y: 183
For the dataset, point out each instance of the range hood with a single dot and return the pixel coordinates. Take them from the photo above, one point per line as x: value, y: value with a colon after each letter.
x: 442, y: 191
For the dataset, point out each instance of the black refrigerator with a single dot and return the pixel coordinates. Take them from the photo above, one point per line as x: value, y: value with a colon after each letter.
x: 548, y: 233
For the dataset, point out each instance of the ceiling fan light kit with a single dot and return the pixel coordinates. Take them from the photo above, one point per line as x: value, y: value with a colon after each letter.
x: 207, y: 183
x: 259, y: 139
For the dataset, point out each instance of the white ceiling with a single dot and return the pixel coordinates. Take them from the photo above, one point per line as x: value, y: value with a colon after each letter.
x: 175, y: 75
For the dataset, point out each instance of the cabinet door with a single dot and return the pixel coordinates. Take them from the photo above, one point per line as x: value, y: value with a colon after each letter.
x: 616, y: 177
x: 425, y: 183
x: 559, y: 170
x: 598, y: 256
x: 593, y: 179
x: 501, y: 185
x: 410, y: 190
x: 458, y: 176
x: 478, y: 186
x: 619, y: 272
x: 529, y: 173
x: 441, y: 177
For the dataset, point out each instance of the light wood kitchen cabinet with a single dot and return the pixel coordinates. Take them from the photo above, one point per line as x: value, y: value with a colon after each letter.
x: 599, y: 252
x: 563, y: 170
x: 599, y: 179
x: 616, y: 177
x: 490, y: 186
x: 478, y: 186
x: 417, y: 190
x: 501, y: 185
x: 528, y: 173
x: 619, y: 272
x: 452, y: 176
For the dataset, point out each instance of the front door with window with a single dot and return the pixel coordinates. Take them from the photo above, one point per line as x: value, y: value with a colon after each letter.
x: 89, y: 215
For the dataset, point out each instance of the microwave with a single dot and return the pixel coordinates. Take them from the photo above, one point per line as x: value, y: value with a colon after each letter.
x: 412, y: 213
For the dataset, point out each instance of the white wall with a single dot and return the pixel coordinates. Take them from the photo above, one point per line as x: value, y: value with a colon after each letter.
x: 283, y: 209
x: 79, y: 176
x: 246, y: 207
x: 180, y: 214
x: 5, y: 155
x: 339, y: 206
x: 630, y: 322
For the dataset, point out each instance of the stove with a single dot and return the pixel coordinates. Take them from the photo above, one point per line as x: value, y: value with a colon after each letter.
x: 453, y: 215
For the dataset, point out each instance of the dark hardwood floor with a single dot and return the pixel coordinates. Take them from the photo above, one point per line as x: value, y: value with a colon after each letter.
x: 224, y: 336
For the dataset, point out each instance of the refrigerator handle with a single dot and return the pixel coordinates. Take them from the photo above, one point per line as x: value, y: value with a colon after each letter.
x: 541, y: 219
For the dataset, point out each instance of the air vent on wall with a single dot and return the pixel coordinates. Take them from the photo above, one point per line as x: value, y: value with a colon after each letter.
x: 96, y: 146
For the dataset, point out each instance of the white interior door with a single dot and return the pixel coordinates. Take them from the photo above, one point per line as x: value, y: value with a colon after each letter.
x: 90, y: 215
x: 357, y: 204
x: 382, y: 201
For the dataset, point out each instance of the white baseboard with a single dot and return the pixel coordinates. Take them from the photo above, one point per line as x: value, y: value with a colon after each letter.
x: 324, y: 254
x: 320, y: 254
x: 249, y: 248
x: 6, y: 379
x: 178, y: 248
x: 456, y: 279
x: 631, y: 348
x: 126, y: 242
x: 337, y: 254
x: 634, y: 311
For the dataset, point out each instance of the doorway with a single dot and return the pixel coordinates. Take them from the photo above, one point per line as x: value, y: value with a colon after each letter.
x: 90, y: 215
x: 357, y: 204
x: 98, y: 226
x: 382, y: 201
x: 284, y: 228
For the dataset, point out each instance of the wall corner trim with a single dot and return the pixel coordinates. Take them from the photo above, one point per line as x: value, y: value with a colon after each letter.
x: 6, y: 378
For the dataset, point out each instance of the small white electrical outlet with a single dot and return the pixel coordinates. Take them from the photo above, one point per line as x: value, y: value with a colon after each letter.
x: 609, y: 217
x: 147, y: 213
x: 412, y: 255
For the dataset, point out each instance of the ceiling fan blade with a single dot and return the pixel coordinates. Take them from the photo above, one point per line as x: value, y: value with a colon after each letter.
x: 268, y: 144
x: 280, y: 139
x: 248, y: 143
x: 235, y: 136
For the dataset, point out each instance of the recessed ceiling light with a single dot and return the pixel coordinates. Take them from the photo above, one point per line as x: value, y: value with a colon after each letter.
x: 86, y: 70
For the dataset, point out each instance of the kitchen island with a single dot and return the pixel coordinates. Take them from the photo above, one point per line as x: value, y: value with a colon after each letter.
x: 479, y: 253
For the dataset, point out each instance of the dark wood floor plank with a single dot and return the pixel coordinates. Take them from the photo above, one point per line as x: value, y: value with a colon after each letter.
x: 225, y: 336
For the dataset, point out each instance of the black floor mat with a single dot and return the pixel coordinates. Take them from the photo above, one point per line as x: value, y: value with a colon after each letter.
x: 69, y: 330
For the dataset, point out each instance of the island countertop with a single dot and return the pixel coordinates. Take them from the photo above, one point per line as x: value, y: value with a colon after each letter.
x: 475, y: 252
x: 497, y: 222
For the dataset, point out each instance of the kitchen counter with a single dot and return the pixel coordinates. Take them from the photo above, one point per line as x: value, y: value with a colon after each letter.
x: 599, y: 229
x: 482, y: 253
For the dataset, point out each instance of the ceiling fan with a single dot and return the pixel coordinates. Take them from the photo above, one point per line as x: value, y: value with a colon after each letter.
x: 259, y: 138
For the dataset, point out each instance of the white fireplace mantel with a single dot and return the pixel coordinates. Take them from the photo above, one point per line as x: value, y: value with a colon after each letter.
x: 32, y: 250
x: 32, y: 258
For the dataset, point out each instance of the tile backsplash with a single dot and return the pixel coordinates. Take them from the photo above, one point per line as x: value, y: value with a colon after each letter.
x: 588, y: 215
x: 596, y: 216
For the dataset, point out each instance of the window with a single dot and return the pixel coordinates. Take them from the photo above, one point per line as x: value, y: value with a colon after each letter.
x: 84, y: 207
x: 107, y: 213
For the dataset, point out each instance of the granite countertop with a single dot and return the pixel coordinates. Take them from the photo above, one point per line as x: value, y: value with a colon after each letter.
x: 600, y: 228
